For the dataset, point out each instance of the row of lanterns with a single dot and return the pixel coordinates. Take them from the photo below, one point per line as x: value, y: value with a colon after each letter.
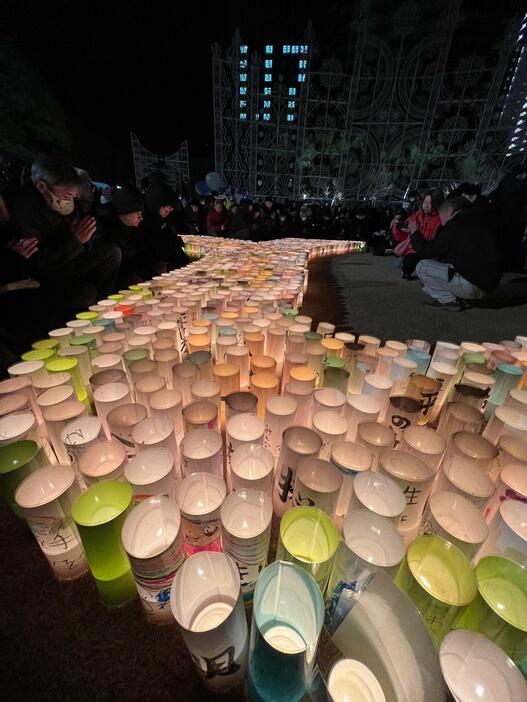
x: 152, y: 439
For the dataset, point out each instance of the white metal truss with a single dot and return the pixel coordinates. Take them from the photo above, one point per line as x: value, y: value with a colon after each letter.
x: 175, y: 166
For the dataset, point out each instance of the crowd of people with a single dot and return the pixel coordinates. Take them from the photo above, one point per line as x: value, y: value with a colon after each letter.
x: 66, y: 244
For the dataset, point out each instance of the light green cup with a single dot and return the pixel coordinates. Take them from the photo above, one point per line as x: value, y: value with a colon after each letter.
x: 38, y: 355
x: 99, y: 514
x: 309, y: 539
x: 46, y: 344
x: 17, y: 461
x: 500, y: 609
x: 439, y: 580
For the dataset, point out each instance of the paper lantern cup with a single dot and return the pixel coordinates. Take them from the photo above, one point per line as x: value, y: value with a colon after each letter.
x: 309, y: 539
x: 45, y: 498
x: 317, y: 484
x: 383, y: 629
x: 202, y: 451
x: 359, y: 409
x: 455, y: 519
x: 56, y: 418
x: 200, y: 415
x: 350, y: 459
x: 150, y: 473
x: 106, y: 398
x: 371, y: 544
x: 425, y: 443
x: 500, y: 609
x: 329, y: 399
x: 288, y: 613
x: 199, y: 497
x: 413, y: 476
x: 152, y: 538
x: 252, y: 466
x: 376, y: 438
x: 155, y: 431
x: 349, y: 677
x: 507, y: 535
x: 206, y: 603
x: 297, y: 442
x: 379, y: 494
x: 402, y: 414
x: 331, y: 427
x: 104, y: 460
x: 16, y: 427
x: 79, y: 435
x: 512, y: 485
x: 240, y: 402
x: 17, y: 461
x: 263, y: 385
x: 246, y: 526
x: 121, y: 422
x: 99, y: 514
x: 464, y: 657
x: 168, y: 403
x: 438, y: 578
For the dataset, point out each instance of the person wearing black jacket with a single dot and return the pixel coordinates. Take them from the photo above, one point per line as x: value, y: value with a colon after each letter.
x: 160, y: 225
x: 461, y: 262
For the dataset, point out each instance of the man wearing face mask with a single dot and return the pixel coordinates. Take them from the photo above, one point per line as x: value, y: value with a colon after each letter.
x: 70, y: 270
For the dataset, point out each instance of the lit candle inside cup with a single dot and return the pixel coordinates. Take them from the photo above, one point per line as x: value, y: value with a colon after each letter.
x: 150, y: 473
x: 199, y: 497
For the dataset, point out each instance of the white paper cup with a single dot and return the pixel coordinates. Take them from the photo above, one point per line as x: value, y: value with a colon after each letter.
x: 378, y: 493
x: 331, y: 427
x: 458, y: 416
x: 56, y: 417
x: 351, y: 680
x: 317, y: 484
x: 375, y: 437
x: 512, y: 485
x: 199, y: 497
x: 152, y: 538
x: 475, y: 668
x: 103, y: 460
x: 45, y: 498
x: 206, y: 602
x: 280, y: 413
x: 452, y: 516
x: 242, y: 429
x: 507, y: 533
x: 252, y: 466
x: 77, y: 437
x: 351, y: 459
x: 413, y: 476
x: 106, y: 398
x: 202, y: 452
x: 506, y: 420
x: 359, y: 409
x: 150, y: 473
x: 246, y: 526
x: 297, y: 442
x: 16, y: 427
x: 155, y: 431
x: 330, y: 399
x: 425, y: 443
x: 467, y: 480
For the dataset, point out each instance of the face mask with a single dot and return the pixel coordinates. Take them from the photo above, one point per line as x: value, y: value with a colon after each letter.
x: 62, y: 207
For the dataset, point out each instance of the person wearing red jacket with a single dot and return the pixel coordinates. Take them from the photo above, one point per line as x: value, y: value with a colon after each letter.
x: 216, y: 219
x: 426, y: 221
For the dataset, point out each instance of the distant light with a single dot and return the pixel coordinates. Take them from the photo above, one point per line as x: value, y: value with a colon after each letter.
x: 269, y: 49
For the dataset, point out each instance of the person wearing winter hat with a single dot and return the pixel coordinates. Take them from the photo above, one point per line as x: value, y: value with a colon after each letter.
x: 161, y: 228
x: 121, y: 224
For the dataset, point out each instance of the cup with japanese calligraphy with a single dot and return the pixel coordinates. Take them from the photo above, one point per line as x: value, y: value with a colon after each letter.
x: 246, y: 527
x: 199, y: 497
x: 297, y: 442
x: 152, y: 538
x: 439, y: 580
x: 99, y: 514
x: 309, y: 539
x: 79, y: 435
x: 425, y: 390
x: 45, y: 498
x: 252, y: 466
x: 403, y: 412
x: 378, y: 493
x: 452, y: 516
x: 500, y: 609
x: 121, y: 422
x: 288, y: 613
x: 206, y: 602
x: 371, y: 543
x: 317, y: 484
x: 413, y: 476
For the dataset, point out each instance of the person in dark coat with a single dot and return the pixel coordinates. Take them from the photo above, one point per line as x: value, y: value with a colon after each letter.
x: 461, y: 262
x: 165, y: 246
x: 241, y: 219
x: 73, y: 271
x: 509, y: 201
x: 194, y: 219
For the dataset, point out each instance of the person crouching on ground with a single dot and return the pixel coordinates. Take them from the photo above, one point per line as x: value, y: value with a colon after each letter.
x: 461, y: 262
x: 426, y: 220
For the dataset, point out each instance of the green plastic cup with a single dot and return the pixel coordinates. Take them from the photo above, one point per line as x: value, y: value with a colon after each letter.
x: 17, y: 461
x: 99, y: 514
x: 309, y: 539
x: 500, y: 609
x: 439, y: 580
x: 71, y: 366
x: 38, y: 355
x: 87, y: 316
x: 88, y: 340
x: 46, y: 345
x: 116, y: 297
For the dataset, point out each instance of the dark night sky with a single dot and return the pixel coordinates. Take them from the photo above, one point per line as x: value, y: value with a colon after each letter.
x: 148, y: 68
